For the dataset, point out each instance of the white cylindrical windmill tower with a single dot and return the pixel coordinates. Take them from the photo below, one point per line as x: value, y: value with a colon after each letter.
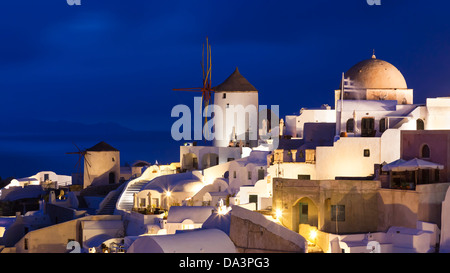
x: 238, y: 100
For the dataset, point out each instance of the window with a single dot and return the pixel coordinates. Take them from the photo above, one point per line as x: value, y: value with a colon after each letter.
x: 366, y: 153
x: 25, y: 244
x: 234, y: 174
x: 367, y: 127
x: 425, y: 152
x: 420, y: 124
x: 249, y: 175
x: 350, y: 125
x: 382, y: 125
x: 301, y: 154
x: 228, y: 105
x: 304, y: 177
x: 261, y: 173
x: 338, y: 213
x: 224, y: 96
x: 230, y: 159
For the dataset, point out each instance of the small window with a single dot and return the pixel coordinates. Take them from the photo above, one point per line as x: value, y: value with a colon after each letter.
x: 234, y: 174
x: 301, y: 154
x: 425, y: 153
x: 230, y: 159
x: 420, y: 124
x: 249, y: 175
x: 338, y: 213
x: 113, y: 159
x: 224, y: 96
x: 382, y: 125
x: 350, y: 125
x: 228, y: 105
x: 25, y: 243
x: 304, y: 177
x: 366, y: 153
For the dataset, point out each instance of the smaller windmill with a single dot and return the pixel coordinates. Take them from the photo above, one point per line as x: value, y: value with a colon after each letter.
x: 82, y: 155
x: 207, y: 88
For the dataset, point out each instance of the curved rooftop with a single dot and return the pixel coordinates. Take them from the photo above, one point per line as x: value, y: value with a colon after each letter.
x: 374, y: 73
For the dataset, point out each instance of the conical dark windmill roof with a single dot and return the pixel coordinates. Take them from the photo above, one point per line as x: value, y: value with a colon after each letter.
x: 102, y: 147
x: 235, y: 82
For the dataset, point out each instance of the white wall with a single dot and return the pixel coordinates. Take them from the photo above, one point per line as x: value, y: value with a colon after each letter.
x: 346, y: 158
x: 438, y: 114
x: 224, y: 126
x: 295, y: 124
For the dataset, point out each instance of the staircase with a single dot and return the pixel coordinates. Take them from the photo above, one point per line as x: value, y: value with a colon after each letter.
x: 126, y: 199
x: 110, y: 206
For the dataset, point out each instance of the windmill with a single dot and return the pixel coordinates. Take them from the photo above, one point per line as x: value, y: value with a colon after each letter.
x: 206, y: 88
x: 82, y: 155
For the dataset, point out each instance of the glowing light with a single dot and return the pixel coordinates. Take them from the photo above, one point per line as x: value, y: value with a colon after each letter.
x: 168, y: 193
x: 278, y: 213
x: 222, y: 209
x: 313, y: 234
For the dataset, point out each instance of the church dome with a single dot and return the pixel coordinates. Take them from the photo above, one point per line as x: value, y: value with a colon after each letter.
x: 376, y: 74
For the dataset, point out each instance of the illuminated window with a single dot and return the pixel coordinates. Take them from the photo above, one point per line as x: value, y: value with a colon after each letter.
x: 188, y: 226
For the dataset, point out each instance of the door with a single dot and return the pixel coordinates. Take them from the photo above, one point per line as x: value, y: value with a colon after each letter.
x: 253, y: 198
x: 261, y: 174
x: 112, y: 178
x: 367, y: 127
x: 303, y: 213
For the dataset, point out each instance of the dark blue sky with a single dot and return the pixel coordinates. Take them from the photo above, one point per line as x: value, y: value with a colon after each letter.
x: 117, y: 61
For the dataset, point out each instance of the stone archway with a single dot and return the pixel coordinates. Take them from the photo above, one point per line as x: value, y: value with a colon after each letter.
x: 304, y: 211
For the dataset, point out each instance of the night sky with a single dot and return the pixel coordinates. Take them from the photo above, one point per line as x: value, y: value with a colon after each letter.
x: 118, y: 61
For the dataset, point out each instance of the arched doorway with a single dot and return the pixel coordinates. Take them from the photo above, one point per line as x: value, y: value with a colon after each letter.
x: 112, y: 178
x: 304, y: 211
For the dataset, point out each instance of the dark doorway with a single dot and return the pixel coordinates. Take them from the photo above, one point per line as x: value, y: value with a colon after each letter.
x: 253, y: 198
x: 112, y: 178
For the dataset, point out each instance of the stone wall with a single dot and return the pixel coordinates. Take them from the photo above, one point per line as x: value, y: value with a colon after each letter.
x: 251, y: 232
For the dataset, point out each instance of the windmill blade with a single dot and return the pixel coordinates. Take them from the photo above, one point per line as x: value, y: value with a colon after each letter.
x: 78, y: 162
x: 194, y: 89
x: 210, y: 66
x: 79, y: 150
x: 87, y: 161
x: 203, y: 61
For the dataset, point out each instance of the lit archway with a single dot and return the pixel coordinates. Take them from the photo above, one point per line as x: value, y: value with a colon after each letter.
x: 304, y: 211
